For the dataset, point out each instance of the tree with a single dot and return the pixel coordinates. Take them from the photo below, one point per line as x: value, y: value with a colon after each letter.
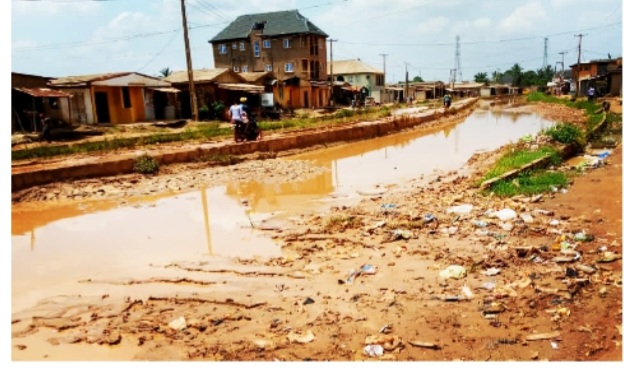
x: 516, y: 74
x: 417, y: 79
x: 497, y: 77
x: 481, y: 78
x: 165, y: 72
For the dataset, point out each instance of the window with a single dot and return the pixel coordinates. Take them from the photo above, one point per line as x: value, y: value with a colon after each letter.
x: 236, y: 69
x: 222, y: 49
x: 234, y: 46
x: 266, y: 44
x: 245, y: 68
x: 256, y: 48
x: 268, y: 68
x: 287, y: 43
x: 304, y: 41
x: 125, y: 91
x: 288, y: 68
x: 241, y: 46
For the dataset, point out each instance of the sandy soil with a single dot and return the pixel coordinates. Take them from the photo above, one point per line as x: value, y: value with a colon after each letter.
x: 518, y: 297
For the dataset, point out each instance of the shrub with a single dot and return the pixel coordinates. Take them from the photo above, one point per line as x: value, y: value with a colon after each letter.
x: 565, y: 133
x: 145, y: 164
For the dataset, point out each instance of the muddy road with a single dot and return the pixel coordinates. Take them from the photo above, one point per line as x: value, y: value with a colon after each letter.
x: 351, y: 282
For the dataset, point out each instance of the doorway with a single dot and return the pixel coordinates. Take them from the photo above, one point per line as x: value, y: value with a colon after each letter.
x: 101, y: 107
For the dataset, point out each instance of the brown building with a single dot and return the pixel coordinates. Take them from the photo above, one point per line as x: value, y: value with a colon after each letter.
x: 605, y: 75
x: 284, y: 43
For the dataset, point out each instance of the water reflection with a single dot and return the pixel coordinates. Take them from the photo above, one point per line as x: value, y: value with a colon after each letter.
x: 70, y: 242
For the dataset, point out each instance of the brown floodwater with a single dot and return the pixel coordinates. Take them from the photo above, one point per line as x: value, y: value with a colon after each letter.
x: 54, y: 248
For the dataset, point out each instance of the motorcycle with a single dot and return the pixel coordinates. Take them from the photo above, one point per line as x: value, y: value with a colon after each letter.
x: 247, y: 130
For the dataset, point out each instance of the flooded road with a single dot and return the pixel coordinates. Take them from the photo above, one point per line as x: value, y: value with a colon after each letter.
x: 53, y: 249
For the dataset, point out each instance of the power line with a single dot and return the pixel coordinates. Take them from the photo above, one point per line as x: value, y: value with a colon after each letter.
x: 159, y: 52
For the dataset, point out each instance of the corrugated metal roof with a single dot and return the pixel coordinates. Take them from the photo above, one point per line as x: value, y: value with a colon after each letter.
x: 84, y: 79
x: 43, y: 92
x: 255, y: 76
x: 352, y: 67
x: 199, y: 75
x: 275, y: 24
x: 241, y: 87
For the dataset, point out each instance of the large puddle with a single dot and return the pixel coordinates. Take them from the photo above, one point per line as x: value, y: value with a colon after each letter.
x: 54, y: 248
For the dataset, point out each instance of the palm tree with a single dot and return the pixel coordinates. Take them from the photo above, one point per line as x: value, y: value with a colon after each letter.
x: 516, y: 73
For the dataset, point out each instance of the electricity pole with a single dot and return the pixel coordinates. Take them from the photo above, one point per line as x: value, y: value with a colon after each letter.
x: 331, y: 70
x: 382, y: 98
x: 578, y: 64
x: 562, y: 64
x: 189, y: 66
x: 406, y: 83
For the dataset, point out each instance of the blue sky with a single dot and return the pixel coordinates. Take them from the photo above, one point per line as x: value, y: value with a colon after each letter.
x: 73, y: 37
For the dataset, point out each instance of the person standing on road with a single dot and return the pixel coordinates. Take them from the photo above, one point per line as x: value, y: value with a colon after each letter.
x: 235, y: 113
x: 447, y: 100
x: 591, y: 92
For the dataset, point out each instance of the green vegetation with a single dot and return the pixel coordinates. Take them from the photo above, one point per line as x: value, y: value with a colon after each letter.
x: 515, y: 159
x: 145, y: 164
x: 530, y: 183
x: 566, y: 133
x: 538, y: 181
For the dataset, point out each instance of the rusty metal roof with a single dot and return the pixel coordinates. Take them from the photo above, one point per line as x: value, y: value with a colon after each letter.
x: 43, y: 92
x: 84, y: 79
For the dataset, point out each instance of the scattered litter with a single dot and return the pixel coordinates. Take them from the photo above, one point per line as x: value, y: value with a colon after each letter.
x: 506, y: 226
x: 385, y: 329
x: 387, y: 342
x: 374, y: 350
x: 463, y: 209
x: 308, y: 300
x: 399, y: 234
x: 428, y: 218
x: 543, y: 336
x: 585, y: 269
x: 178, y: 324
x: 609, y: 257
x: 491, y: 271
x: 454, y: 271
x: 505, y: 214
x: 479, y: 223
x: 424, y: 344
x: 554, y: 345
x: 302, y: 339
x: 368, y: 269
x: 388, y: 206
x: 526, y: 218
x: 467, y: 292
x: 555, y: 223
x: 488, y: 285
x: 493, y: 308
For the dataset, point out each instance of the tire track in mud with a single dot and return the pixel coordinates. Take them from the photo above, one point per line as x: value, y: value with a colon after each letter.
x: 153, y: 280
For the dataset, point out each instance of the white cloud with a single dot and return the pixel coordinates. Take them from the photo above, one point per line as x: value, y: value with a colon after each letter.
x: 526, y: 17
x: 482, y: 22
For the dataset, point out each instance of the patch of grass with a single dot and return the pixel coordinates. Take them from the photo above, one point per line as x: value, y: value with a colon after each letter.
x: 515, y: 159
x: 566, y: 133
x: 145, y: 164
x: 530, y: 183
x: 221, y: 160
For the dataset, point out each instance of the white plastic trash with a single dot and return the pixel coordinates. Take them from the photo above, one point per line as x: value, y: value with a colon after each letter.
x: 453, y: 272
x: 463, y: 209
x: 506, y: 214
x: 374, y: 350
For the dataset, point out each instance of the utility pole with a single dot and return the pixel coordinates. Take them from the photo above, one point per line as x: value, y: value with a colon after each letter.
x: 452, y: 78
x: 382, y: 98
x: 189, y: 66
x: 578, y: 65
x: 406, y: 84
x: 331, y: 70
x: 562, y: 53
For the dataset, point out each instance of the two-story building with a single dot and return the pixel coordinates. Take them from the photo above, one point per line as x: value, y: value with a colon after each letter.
x: 605, y: 75
x: 285, y: 43
x: 364, y: 78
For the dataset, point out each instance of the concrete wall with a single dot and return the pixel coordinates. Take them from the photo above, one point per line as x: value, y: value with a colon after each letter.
x: 24, y: 177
